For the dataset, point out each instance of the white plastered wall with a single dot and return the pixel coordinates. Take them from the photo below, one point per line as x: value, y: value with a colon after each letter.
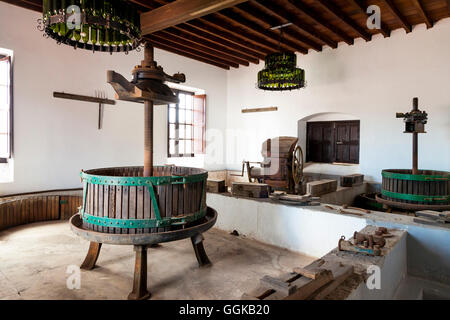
x: 55, y: 138
x: 370, y: 81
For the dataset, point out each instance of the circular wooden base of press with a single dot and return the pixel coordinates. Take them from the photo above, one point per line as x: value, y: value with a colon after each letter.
x: 140, y: 243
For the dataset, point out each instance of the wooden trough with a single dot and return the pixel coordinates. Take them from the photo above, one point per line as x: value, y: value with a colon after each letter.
x: 121, y: 200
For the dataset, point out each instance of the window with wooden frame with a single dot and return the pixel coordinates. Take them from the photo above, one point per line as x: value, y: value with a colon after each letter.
x: 186, y: 125
x: 332, y: 141
x: 5, y: 108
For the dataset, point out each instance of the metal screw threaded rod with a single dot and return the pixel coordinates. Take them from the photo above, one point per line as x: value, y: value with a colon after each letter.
x: 148, y: 118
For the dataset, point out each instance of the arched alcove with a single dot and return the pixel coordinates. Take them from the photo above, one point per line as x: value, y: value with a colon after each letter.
x: 324, y: 168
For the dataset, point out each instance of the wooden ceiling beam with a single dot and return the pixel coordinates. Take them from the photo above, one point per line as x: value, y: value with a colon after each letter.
x: 176, y: 38
x: 362, y: 6
x: 297, y: 22
x: 255, y: 31
x: 221, y: 41
x: 190, y: 50
x: 341, y: 16
x: 238, y: 35
x: 422, y: 12
x: 193, y: 37
x: 255, y: 11
x: 398, y: 15
x: 320, y: 21
x: 175, y: 50
x: 180, y: 11
x: 217, y: 28
x: 229, y: 35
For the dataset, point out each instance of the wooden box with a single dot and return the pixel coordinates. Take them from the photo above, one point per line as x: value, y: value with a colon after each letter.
x: 251, y: 190
x: 321, y: 187
x: 352, y: 180
x: 215, y: 185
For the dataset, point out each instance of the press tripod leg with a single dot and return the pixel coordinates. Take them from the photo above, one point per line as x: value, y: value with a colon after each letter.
x: 200, y: 253
x: 140, y: 291
x: 92, y: 256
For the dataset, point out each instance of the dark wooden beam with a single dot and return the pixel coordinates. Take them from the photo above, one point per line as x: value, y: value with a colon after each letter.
x: 250, y: 55
x: 181, y: 33
x: 320, y: 21
x: 180, y: 39
x: 256, y: 12
x: 190, y: 50
x: 215, y: 27
x: 422, y: 12
x: 181, y: 11
x: 296, y: 21
x: 341, y: 16
x: 176, y: 50
x: 362, y: 6
x: 398, y: 15
x: 255, y: 31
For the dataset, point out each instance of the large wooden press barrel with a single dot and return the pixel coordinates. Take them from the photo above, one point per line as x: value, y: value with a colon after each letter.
x: 121, y: 200
x: 428, y: 189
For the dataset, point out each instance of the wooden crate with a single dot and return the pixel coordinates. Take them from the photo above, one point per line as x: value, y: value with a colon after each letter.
x: 215, y: 185
x: 251, y: 190
x: 352, y: 180
x: 321, y: 187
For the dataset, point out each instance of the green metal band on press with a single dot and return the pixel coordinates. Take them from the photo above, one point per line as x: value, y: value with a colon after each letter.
x: 415, y: 177
x: 141, y: 181
x: 141, y: 223
x: 415, y: 197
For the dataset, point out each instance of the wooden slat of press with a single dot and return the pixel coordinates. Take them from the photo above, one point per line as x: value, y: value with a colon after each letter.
x: 169, y: 189
x: 147, y: 206
x: 38, y: 209
x: 101, y: 203
x: 175, y: 189
x: 14, y: 221
x: 421, y: 189
x: 125, y: 196
x: 140, y: 206
x: 90, y: 199
x: 112, y: 205
x: 132, y: 207
x: 6, y: 215
x: 2, y: 217
x: 51, y: 203
x: 46, y: 215
x: 118, y: 214
x: 161, y: 204
x: 105, y: 212
x: 26, y: 211
x: 152, y: 212
x: 95, y: 208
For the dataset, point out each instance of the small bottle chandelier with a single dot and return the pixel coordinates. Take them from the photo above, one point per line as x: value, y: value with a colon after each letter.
x: 96, y: 25
x: 281, y: 72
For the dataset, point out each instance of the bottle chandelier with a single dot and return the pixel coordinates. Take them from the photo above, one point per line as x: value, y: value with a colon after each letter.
x: 281, y: 73
x: 96, y: 25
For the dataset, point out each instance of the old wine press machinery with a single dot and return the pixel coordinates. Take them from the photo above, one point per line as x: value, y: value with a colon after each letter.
x: 143, y: 206
x: 415, y: 189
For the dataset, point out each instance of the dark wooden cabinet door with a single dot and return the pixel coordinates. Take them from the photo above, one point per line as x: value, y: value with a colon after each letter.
x: 347, y: 141
x: 332, y: 141
x: 320, y: 142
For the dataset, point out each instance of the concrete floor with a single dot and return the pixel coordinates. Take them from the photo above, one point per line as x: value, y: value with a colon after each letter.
x: 34, y: 260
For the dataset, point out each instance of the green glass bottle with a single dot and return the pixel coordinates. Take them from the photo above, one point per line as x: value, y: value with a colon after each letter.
x: 101, y: 35
x: 85, y: 33
x: 62, y: 29
x: 77, y: 35
x: 94, y: 31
